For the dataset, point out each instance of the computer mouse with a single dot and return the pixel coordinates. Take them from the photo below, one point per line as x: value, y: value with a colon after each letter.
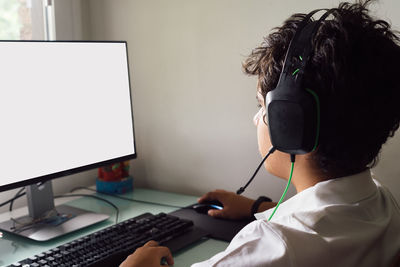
x: 206, y: 206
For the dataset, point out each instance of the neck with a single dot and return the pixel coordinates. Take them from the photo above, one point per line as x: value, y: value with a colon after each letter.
x: 302, y: 181
x: 305, y: 175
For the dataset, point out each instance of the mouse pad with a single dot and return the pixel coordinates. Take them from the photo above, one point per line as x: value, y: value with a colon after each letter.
x: 218, y: 228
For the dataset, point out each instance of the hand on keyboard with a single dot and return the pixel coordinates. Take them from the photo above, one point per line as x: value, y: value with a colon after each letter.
x: 149, y: 255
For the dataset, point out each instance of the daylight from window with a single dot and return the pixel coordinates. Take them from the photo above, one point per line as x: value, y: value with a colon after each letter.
x: 15, y: 20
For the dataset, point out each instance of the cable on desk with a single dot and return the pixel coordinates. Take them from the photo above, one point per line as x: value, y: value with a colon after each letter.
x: 23, y: 226
x: 12, y: 199
x: 16, y: 196
x: 125, y: 198
x: 19, y: 226
x: 20, y: 194
x: 96, y: 197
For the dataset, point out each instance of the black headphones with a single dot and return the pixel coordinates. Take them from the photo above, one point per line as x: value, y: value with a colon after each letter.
x: 292, y: 111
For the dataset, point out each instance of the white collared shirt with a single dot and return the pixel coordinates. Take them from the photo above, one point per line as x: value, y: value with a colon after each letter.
x: 349, y: 221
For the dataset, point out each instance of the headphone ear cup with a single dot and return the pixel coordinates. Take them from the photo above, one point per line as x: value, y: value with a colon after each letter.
x: 293, y: 120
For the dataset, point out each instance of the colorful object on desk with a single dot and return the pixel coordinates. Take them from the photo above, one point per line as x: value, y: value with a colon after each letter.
x: 114, y: 179
x: 114, y: 172
x: 118, y: 187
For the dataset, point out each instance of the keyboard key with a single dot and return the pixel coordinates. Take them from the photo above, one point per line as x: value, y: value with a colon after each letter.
x: 42, y: 262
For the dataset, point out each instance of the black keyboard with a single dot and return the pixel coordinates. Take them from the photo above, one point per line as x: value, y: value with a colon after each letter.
x: 110, y: 246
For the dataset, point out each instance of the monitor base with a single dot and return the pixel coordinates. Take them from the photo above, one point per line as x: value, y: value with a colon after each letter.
x: 67, y: 219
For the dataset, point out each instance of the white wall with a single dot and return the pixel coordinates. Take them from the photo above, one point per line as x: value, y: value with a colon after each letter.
x: 193, y: 107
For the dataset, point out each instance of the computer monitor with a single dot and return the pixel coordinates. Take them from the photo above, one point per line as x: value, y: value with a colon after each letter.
x: 65, y: 107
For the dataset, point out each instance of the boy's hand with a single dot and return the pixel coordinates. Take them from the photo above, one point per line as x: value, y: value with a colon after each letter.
x: 150, y: 255
x: 235, y: 207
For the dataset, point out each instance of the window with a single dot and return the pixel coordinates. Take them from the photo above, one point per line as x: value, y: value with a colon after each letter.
x: 15, y: 20
x: 26, y: 20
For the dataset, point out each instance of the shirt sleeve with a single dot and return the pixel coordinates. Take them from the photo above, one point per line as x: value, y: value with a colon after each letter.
x: 257, y: 244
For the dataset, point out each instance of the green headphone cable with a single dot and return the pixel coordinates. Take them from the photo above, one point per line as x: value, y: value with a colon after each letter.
x: 292, y: 159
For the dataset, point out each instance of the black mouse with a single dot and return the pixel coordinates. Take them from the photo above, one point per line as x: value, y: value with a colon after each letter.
x: 204, y: 207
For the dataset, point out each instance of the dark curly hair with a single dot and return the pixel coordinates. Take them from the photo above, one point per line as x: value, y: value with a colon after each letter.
x: 354, y: 71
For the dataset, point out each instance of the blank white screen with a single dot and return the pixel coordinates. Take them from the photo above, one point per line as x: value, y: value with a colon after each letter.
x: 63, y: 105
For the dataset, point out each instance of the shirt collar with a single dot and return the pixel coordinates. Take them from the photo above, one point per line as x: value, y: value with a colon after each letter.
x: 344, y: 190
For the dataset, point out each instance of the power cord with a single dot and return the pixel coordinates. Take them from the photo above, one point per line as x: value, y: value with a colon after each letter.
x: 12, y: 199
x: 17, y: 195
x: 126, y: 198
x: 20, y: 193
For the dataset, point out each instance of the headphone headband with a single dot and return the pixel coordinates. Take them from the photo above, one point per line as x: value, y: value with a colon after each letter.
x: 300, y: 45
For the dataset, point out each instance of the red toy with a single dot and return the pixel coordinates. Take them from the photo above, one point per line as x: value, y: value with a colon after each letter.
x: 114, y: 172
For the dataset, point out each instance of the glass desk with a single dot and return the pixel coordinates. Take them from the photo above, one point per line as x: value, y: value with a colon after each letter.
x: 14, y: 249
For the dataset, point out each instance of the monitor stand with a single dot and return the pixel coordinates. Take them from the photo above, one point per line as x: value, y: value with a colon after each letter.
x: 45, y: 221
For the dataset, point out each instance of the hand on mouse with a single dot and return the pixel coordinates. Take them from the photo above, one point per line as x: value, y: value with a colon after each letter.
x: 150, y: 255
x: 235, y: 207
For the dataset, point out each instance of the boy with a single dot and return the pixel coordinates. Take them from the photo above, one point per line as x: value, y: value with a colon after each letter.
x: 340, y: 216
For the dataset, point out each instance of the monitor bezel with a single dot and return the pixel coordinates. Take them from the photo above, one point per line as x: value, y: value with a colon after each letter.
x: 48, y: 177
